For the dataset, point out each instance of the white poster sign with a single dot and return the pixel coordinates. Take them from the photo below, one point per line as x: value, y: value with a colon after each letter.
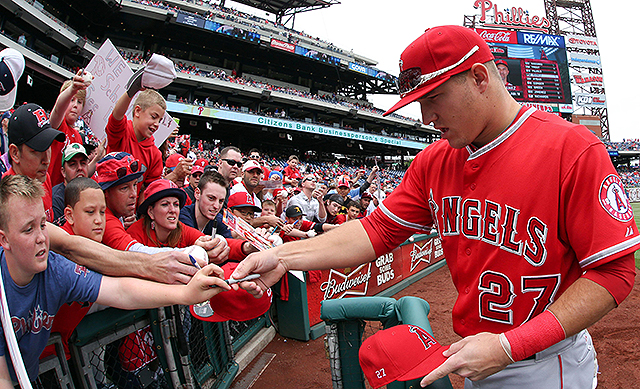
x: 111, y: 73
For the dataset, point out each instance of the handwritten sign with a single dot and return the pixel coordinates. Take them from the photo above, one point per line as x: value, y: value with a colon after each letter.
x: 111, y: 73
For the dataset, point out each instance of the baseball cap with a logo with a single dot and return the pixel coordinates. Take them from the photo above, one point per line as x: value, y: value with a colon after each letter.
x: 401, y: 353
x: 251, y: 165
x: 237, y: 305
x: 438, y: 54
x: 199, y: 165
x: 11, y: 68
x: 72, y: 150
x: 242, y: 199
x: 29, y: 124
x: 343, y: 181
x: 294, y: 211
x: 117, y: 168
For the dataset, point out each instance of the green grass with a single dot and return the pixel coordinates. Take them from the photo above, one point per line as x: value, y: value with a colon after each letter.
x: 636, y: 214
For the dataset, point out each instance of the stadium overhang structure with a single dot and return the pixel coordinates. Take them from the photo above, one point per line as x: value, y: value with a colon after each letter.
x: 287, y: 9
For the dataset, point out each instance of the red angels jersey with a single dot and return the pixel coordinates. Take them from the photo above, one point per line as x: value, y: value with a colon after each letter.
x: 520, y: 218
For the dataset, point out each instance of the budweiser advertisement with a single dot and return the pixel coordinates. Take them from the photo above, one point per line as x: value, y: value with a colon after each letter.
x: 533, y: 66
x: 374, y: 277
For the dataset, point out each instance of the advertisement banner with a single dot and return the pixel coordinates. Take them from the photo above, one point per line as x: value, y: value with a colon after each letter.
x: 356, y: 67
x: 285, y: 124
x: 374, y: 277
x: 585, y: 60
x: 498, y: 36
x: 190, y: 20
x: 590, y: 100
x: 587, y: 80
x: 283, y: 45
x: 581, y: 42
x: 533, y: 39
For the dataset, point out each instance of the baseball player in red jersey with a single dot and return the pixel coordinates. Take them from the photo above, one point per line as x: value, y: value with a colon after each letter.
x: 535, y: 227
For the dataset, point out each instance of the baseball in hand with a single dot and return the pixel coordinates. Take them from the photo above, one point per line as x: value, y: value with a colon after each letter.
x: 198, y: 253
x: 87, y: 78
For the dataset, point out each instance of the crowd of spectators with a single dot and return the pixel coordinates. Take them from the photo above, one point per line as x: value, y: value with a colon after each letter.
x: 253, y: 22
x: 625, y: 145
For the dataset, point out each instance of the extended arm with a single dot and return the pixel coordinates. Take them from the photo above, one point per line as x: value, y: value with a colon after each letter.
x: 135, y: 293
x: 5, y: 378
x: 346, y: 246
x: 168, y: 267
x: 64, y: 99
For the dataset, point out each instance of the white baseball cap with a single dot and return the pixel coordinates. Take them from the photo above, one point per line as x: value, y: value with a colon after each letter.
x: 158, y: 73
x: 11, y: 68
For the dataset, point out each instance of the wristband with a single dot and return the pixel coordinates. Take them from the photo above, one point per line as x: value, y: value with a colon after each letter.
x: 534, y: 336
x: 505, y: 346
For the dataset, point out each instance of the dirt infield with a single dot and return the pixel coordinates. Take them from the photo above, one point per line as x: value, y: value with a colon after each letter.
x: 304, y: 365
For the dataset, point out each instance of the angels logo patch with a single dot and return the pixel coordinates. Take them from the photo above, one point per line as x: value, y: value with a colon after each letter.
x: 614, y: 200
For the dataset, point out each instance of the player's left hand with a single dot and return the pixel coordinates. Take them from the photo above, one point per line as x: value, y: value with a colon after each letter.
x: 474, y: 357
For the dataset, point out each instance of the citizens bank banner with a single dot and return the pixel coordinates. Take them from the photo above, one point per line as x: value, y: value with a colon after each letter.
x: 290, y: 125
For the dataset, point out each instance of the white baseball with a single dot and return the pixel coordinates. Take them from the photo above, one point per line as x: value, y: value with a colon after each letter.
x: 87, y: 77
x: 198, y: 253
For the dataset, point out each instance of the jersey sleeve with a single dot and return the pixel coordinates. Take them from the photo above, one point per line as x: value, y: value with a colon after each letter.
x: 189, y: 234
x: 598, y: 217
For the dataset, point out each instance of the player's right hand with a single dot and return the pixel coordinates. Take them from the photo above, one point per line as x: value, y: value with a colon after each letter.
x: 265, y: 263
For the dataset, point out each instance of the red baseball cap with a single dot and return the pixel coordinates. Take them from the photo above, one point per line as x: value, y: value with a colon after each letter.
x: 242, y: 199
x: 343, y: 181
x: 173, y: 160
x: 438, y: 54
x: 401, y: 353
x: 198, y: 165
x: 237, y: 305
x: 160, y: 189
x: 501, y: 62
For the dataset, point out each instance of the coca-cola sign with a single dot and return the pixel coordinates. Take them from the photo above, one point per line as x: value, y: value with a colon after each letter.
x: 518, y: 18
x: 498, y: 36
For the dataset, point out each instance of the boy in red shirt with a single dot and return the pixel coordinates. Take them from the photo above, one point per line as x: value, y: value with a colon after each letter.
x: 135, y: 136
x: 63, y: 117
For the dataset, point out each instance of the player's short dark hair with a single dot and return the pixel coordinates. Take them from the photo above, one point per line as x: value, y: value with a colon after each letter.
x: 75, y: 187
x: 212, y: 176
x: 226, y: 150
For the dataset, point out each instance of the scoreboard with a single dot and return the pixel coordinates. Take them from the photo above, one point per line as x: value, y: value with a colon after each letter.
x: 534, y: 66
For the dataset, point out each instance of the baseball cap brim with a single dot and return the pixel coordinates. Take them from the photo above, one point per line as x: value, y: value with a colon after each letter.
x: 255, y: 207
x: 9, y: 100
x: 237, y: 305
x: 426, y: 366
x: 42, y: 140
x: 416, y: 94
x: 122, y: 180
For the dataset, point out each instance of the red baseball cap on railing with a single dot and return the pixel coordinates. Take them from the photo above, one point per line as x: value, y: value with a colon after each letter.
x: 438, y: 54
x: 237, y: 305
x: 401, y: 353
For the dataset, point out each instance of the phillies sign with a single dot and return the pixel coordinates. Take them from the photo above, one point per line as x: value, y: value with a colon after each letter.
x: 514, y: 18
